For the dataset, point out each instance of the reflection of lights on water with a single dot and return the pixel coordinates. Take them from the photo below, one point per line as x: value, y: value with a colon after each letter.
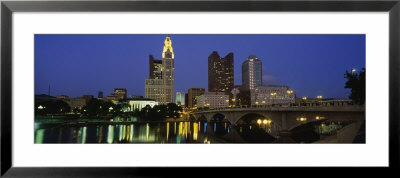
x: 205, y: 127
x: 37, y: 125
x: 215, y: 127
x: 189, y: 130
x: 229, y: 128
x: 199, y: 126
x: 167, y: 130
x: 128, y: 129
x: 101, y: 134
x: 121, y: 130
x: 110, y: 134
x: 241, y: 129
x: 174, y: 128
x: 147, y: 131
x: 195, y: 131
x: 185, y: 130
x: 39, y: 136
x: 124, y: 133
x: 180, y: 128
x: 84, y: 134
x: 78, y: 137
x: 131, y: 133
x: 178, y: 139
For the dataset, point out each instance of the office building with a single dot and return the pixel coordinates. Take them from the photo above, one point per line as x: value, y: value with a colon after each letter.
x: 160, y: 84
x: 213, y: 100
x: 180, y: 98
x: 220, y: 73
x: 251, y: 73
x: 243, y: 97
x: 193, y: 93
x: 272, y: 94
x: 120, y: 93
x: 186, y: 99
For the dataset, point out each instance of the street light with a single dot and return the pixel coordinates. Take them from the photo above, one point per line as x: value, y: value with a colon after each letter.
x: 302, y: 119
x: 319, y: 117
x: 259, y: 122
x: 352, y: 71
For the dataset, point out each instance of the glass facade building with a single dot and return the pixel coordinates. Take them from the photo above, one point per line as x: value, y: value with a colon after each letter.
x: 251, y: 73
x: 180, y: 98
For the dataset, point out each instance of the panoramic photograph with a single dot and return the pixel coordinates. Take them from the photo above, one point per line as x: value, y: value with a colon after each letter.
x: 199, y: 88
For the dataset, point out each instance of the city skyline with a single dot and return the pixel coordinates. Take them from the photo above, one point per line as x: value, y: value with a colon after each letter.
x: 311, y: 65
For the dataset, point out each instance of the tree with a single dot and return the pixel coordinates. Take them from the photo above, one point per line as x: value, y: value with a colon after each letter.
x: 159, y: 112
x: 173, y: 110
x: 51, y: 107
x: 356, y: 82
x: 97, y: 107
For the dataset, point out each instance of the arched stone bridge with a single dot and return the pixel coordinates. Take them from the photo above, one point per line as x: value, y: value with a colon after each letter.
x: 285, y: 118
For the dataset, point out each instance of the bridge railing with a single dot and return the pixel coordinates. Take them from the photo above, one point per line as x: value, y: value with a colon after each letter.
x: 321, y: 104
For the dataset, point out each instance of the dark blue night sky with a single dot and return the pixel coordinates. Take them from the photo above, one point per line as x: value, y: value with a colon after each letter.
x: 75, y: 65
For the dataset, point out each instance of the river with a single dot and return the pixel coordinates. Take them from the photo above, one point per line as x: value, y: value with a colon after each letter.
x: 169, y: 132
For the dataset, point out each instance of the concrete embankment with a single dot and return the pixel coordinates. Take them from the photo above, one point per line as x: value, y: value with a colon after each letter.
x: 344, y: 135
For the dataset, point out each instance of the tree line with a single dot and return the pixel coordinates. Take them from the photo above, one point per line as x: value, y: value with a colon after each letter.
x: 97, y: 108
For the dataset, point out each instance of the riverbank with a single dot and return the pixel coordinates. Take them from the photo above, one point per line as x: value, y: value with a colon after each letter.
x: 105, y: 120
x: 344, y: 135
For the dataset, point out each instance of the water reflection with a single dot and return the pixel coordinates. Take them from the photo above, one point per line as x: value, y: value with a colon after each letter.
x: 162, y: 132
x: 110, y: 134
x: 39, y: 135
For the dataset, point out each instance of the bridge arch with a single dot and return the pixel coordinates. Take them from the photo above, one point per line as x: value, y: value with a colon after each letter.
x: 218, y: 116
x: 201, y: 118
x: 220, y: 124
x: 250, y: 117
x: 308, y: 122
x: 272, y: 127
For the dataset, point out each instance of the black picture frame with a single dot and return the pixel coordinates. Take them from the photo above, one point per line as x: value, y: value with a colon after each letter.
x: 8, y: 7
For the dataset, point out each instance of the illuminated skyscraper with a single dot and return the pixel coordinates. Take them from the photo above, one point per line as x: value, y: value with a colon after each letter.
x: 160, y: 84
x: 251, y: 73
x: 180, y: 98
x: 220, y: 73
x: 155, y: 68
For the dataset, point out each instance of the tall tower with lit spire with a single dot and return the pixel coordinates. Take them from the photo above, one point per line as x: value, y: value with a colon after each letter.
x: 168, y: 70
x: 160, y: 84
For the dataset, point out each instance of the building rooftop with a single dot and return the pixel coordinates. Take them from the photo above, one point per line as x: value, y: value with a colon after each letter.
x: 140, y: 99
